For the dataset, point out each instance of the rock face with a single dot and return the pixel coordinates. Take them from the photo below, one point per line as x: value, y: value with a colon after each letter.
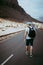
x: 8, y: 2
x: 10, y: 9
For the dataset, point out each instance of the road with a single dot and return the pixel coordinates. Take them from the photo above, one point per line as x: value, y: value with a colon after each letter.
x: 12, y: 51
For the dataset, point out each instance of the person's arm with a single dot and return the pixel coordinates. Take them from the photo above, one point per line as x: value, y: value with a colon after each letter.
x: 25, y: 34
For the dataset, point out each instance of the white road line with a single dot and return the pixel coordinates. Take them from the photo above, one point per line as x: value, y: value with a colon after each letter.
x: 7, y: 59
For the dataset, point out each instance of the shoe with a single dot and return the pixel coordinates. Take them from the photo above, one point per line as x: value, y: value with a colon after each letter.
x: 31, y: 55
x: 26, y: 53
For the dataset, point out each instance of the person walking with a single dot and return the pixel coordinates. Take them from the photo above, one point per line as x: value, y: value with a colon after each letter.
x: 29, y: 36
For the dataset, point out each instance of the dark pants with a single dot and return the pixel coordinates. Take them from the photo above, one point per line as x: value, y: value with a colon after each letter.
x: 29, y: 42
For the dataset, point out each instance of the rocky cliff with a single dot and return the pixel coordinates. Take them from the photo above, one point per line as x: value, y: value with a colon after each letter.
x: 10, y: 9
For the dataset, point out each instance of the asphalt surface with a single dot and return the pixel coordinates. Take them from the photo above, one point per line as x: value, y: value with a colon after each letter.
x: 16, y: 46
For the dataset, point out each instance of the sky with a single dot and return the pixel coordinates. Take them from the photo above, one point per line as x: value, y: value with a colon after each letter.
x: 32, y: 7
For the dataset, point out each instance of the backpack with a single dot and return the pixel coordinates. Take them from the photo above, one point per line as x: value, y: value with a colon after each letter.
x: 32, y: 33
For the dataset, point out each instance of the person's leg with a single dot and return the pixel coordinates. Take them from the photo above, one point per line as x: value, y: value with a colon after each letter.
x: 27, y: 47
x: 26, y: 50
x: 31, y: 50
x: 31, y: 47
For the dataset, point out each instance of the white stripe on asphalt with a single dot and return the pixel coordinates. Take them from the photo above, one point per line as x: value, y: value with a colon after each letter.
x: 7, y: 59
